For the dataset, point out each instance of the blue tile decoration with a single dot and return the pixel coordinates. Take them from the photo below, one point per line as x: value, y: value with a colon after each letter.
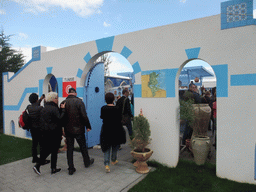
x: 137, y: 90
x: 193, y: 53
x: 243, y: 80
x: 136, y: 68
x: 126, y: 52
x: 235, y: 13
x: 36, y: 53
x: 105, y: 44
x: 49, y: 70
x: 221, y: 72
x: 87, y: 57
x: 25, y: 92
x: 79, y: 73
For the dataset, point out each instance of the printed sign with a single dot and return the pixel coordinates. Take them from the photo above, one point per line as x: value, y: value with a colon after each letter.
x: 66, y: 86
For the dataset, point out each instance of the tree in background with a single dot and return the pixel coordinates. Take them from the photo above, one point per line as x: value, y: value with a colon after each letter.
x: 10, y: 61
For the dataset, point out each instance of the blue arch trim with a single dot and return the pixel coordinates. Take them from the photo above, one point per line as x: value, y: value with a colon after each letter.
x: 126, y: 52
x: 243, y: 80
x: 59, y: 81
x: 193, y: 53
x: 87, y: 57
x: 17, y: 107
x: 49, y: 70
x: 136, y: 68
x: 221, y: 72
x: 105, y: 44
x: 79, y: 73
x: 137, y: 90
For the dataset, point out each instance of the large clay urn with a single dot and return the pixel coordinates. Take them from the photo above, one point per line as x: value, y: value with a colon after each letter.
x: 141, y: 157
x: 201, y: 148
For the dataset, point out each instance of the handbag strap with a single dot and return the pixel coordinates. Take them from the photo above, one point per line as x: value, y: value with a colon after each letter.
x: 123, y: 105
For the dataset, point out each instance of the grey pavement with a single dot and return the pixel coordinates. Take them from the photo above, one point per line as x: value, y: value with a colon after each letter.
x: 20, y: 177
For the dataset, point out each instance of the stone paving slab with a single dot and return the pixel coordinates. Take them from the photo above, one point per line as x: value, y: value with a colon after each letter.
x: 20, y: 177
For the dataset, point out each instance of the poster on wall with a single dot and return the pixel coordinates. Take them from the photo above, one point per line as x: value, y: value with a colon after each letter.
x: 68, y: 82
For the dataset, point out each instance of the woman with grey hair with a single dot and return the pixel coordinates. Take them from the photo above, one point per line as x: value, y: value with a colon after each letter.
x: 50, y: 123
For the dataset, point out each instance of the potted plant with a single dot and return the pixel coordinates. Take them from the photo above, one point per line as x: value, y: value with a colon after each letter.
x: 141, y: 138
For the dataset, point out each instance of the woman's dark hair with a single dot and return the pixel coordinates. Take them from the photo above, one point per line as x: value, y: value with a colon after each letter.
x: 109, y: 97
x: 33, y: 98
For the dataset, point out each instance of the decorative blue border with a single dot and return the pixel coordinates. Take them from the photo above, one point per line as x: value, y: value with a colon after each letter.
x: 105, y: 44
x: 79, y: 73
x: 87, y: 57
x: 243, y: 80
x: 170, y: 75
x: 136, y: 68
x: 193, y: 53
x: 221, y: 72
x: 137, y: 90
x: 126, y: 52
x: 49, y: 70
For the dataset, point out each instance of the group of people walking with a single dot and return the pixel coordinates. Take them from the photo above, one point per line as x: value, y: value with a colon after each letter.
x: 46, y: 127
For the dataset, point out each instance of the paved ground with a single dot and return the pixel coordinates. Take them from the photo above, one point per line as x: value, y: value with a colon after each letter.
x: 20, y: 177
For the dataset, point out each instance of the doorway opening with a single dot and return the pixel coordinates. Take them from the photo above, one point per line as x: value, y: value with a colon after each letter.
x: 197, y: 79
x: 110, y: 72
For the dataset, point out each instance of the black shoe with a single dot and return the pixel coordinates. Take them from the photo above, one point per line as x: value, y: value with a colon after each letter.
x: 55, y: 170
x: 46, y: 162
x: 36, y: 168
x: 91, y: 162
x: 71, y: 171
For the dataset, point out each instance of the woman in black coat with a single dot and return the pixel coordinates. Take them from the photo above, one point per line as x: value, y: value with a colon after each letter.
x: 50, y: 122
x: 112, y: 132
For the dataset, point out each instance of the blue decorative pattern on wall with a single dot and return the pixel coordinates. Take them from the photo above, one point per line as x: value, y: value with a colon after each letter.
x: 59, y: 80
x: 126, y: 52
x: 221, y: 72
x: 170, y: 82
x: 87, y: 57
x: 41, y: 83
x: 136, y: 68
x: 193, y: 53
x: 237, y: 13
x: 105, y: 44
x: 79, y: 73
x: 17, y: 107
x: 80, y: 92
x: 137, y: 90
x: 49, y: 70
x: 243, y: 80
x: 36, y: 53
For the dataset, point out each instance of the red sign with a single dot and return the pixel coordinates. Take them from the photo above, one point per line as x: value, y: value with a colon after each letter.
x: 66, y: 86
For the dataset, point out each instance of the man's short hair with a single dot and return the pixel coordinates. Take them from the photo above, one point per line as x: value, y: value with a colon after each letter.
x: 124, y: 91
x: 51, y: 96
x: 109, y: 97
x: 33, y: 98
x: 72, y: 90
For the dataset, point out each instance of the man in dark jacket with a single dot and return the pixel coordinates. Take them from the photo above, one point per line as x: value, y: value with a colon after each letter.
x: 34, y: 124
x: 124, y: 105
x: 74, y: 127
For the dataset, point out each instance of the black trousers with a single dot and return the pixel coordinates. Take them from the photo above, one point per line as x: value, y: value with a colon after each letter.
x: 50, y: 145
x: 80, y: 138
x: 36, y: 138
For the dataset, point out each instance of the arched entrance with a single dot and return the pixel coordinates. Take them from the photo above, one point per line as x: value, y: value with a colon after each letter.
x: 202, y: 76
x: 106, y: 66
x: 50, y: 84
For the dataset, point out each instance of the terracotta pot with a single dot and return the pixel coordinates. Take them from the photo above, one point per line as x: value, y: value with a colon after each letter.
x: 141, y: 157
x: 201, y: 148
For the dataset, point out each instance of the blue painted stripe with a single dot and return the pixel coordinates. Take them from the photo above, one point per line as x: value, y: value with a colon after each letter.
x: 243, y: 80
x: 126, y: 52
x: 170, y: 75
x: 255, y: 164
x: 105, y: 44
x: 87, y: 57
x: 17, y: 107
x: 193, y: 53
x: 79, y: 73
x: 41, y: 83
x: 21, y: 69
x: 60, y: 87
x: 136, y: 68
x: 49, y: 70
x: 137, y: 90
x: 221, y: 72
x: 80, y: 91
